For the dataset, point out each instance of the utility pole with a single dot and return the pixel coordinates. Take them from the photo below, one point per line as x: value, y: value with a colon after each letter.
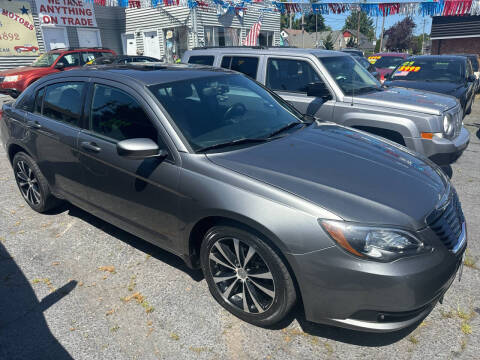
x: 290, y: 18
x: 358, y: 27
x: 381, y: 36
x: 423, y: 36
x: 316, y: 31
x: 303, y: 31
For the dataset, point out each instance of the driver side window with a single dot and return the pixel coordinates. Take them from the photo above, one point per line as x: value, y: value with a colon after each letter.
x: 70, y: 60
x: 290, y: 75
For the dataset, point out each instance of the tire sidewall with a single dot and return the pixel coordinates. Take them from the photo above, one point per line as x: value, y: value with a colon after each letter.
x: 280, y: 305
x: 38, y: 175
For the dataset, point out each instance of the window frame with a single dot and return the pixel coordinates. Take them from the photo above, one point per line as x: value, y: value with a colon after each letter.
x: 306, y: 60
x: 202, y: 56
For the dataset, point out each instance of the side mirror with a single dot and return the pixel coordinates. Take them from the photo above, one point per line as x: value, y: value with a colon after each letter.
x: 319, y: 90
x: 140, y: 148
x: 59, y: 65
x: 472, y: 78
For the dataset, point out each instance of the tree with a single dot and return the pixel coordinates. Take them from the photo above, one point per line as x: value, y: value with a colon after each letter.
x: 328, y: 43
x: 309, y: 23
x: 400, y: 35
x: 377, y: 46
x: 416, y: 43
x: 366, y: 24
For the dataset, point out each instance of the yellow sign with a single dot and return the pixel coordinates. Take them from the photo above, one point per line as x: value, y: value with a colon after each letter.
x: 373, y: 59
x: 17, y: 31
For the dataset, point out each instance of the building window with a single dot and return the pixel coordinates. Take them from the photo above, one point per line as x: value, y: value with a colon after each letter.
x: 221, y: 36
x: 265, y: 38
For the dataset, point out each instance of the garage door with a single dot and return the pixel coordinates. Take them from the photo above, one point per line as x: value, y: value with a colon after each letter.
x: 151, y: 45
x: 54, y: 37
x: 89, y: 38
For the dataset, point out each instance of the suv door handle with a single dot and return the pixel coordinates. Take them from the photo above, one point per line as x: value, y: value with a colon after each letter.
x: 90, y: 146
x: 34, y: 124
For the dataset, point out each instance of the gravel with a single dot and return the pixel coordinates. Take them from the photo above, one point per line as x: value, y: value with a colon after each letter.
x: 73, y: 286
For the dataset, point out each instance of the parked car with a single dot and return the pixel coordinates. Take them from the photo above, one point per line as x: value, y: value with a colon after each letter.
x: 449, y: 75
x: 353, y: 51
x: 331, y: 86
x: 271, y: 205
x: 14, y: 81
x: 475, y: 67
x: 386, y: 62
x: 121, y: 59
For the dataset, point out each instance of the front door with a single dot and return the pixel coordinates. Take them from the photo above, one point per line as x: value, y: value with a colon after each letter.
x: 151, y: 44
x: 54, y: 37
x: 136, y: 195
x: 55, y: 123
x: 129, y: 44
x: 289, y: 79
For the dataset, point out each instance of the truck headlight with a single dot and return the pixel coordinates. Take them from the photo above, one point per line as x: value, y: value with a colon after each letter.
x: 373, y: 243
x: 447, y: 125
x: 10, y: 78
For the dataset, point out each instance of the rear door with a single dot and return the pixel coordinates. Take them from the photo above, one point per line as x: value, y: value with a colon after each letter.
x: 137, y: 195
x: 289, y: 78
x: 55, y: 124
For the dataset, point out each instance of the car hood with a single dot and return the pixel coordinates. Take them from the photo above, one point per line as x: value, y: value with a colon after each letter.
x: 442, y: 87
x: 23, y: 70
x: 356, y: 176
x: 407, y: 99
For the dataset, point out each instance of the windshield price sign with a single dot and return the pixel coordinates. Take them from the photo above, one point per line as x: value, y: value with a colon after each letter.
x: 373, y: 59
x: 406, y: 68
x: 17, y: 32
x: 66, y: 13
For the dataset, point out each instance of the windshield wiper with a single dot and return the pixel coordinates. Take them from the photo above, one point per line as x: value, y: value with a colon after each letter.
x: 233, y: 143
x: 285, y: 128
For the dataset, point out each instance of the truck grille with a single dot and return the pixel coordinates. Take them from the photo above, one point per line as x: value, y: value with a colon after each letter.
x: 448, y: 226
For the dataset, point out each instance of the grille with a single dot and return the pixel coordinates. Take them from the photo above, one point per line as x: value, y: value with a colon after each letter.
x: 448, y: 226
x: 457, y: 120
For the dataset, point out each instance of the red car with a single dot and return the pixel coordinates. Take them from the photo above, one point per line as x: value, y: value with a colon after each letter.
x: 14, y: 81
x: 25, y: 48
x: 386, y: 62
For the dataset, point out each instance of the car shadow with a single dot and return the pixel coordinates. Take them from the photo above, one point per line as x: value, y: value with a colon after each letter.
x: 24, y: 333
x: 132, y: 240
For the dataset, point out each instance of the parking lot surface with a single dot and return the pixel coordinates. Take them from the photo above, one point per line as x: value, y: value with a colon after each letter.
x: 74, y: 286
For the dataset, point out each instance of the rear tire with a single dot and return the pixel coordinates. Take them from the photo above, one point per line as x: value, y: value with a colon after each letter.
x: 32, y: 184
x: 246, y: 276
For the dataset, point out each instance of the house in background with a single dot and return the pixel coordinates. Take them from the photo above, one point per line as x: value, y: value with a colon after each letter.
x: 455, y: 34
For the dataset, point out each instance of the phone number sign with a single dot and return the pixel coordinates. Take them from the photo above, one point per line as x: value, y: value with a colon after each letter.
x: 66, y: 13
x: 17, y: 32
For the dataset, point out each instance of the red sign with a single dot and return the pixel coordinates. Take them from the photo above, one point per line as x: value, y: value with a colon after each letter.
x: 66, y: 13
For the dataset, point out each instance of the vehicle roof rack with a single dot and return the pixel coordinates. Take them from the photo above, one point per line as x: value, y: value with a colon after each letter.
x: 259, y: 47
x: 81, y: 48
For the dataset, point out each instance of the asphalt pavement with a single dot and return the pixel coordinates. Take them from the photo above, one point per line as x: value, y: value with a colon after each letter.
x: 75, y: 287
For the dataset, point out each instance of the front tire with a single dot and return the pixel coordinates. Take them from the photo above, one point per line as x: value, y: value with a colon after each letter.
x: 246, y: 276
x: 32, y: 184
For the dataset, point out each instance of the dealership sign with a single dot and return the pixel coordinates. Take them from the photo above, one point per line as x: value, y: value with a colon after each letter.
x: 17, y: 32
x: 66, y: 13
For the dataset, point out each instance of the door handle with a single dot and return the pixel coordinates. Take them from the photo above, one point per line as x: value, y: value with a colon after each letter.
x: 91, y: 146
x: 34, y: 124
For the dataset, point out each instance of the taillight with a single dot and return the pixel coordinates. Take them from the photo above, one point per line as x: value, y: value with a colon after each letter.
x: 1, y: 113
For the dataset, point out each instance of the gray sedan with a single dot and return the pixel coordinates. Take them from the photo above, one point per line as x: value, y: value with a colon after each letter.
x: 274, y: 207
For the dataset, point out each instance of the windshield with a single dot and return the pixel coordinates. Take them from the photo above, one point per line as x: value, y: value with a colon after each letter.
x: 364, y: 62
x: 224, y: 108
x: 388, y: 62
x: 45, y: 60
x: 434, y: 69
x: 349, y: 75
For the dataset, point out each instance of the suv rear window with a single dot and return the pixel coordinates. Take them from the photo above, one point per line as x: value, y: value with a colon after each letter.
x: 201, y: 60
x: 290, y: 75
x: 244, y: 64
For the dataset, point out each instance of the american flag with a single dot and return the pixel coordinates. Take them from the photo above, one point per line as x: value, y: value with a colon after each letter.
x: 251, y: 39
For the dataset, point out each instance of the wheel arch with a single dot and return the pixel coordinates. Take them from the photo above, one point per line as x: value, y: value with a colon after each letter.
x: 389, y: 134
x: 15, y: 148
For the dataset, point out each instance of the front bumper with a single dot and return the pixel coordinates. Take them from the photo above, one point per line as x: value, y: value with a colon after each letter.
x: 443, y: 151
x: 13, y: 92
x: 342, y: 290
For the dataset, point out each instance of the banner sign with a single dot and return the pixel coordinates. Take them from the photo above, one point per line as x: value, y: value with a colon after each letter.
x: 66, y: 13
x: 17, y: 32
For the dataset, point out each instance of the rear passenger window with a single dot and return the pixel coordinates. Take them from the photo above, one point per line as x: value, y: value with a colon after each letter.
x: 70, y: 60
x: 290, y: 75
x: 117, y: 115
x: 63, y: 102
x: 243, y: 64
x: 37, y: 109
x: 201, y: 60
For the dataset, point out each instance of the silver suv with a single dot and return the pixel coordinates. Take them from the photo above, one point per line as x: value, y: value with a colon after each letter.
x: 333, y: 86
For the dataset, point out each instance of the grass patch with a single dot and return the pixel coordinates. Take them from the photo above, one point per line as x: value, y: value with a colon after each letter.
x: 470, y: 262
x: 466, y: 328
x: 174, y: 336
x: 115, y: 328
x: 413, y: 339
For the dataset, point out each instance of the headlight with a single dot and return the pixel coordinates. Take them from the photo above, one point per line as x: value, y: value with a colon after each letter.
x: 10, y: 78
x: 447, y: 125
x: 382, y: 244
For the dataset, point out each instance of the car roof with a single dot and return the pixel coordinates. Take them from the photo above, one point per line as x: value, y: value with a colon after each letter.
x: 439, y: 57
x: 64, y: 50
x: 146, y: 73
x: 391, y: 54
x: 266, y: 51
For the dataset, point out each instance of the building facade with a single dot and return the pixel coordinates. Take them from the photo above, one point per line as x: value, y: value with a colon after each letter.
x: 455, y: 35
x: 164, y: 32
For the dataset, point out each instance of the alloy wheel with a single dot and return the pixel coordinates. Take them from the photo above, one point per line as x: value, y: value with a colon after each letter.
x: 28, y: 183
x: 241, y: 275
